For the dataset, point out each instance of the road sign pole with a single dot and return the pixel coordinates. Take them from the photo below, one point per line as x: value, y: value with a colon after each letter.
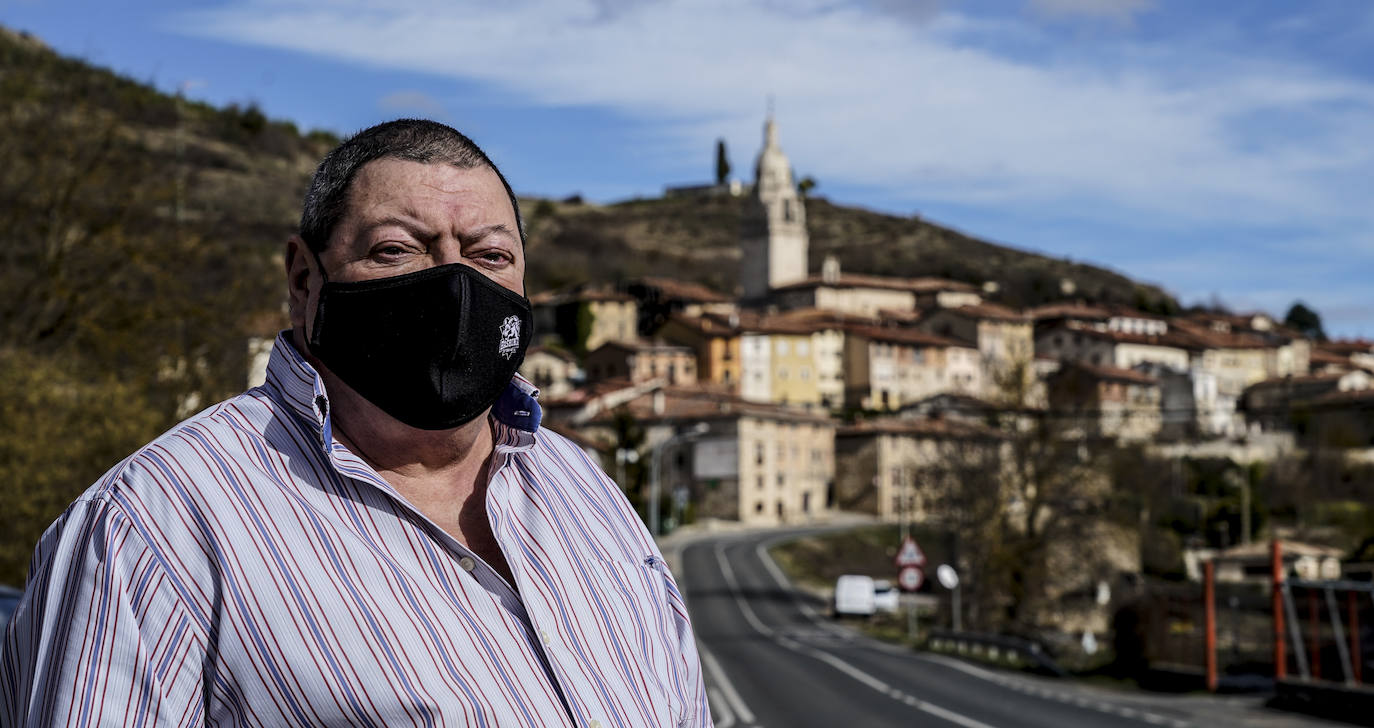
x: 958, y: 621
x: 911, y: 620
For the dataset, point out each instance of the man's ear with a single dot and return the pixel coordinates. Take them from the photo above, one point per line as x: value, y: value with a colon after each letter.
x: 300, y: 272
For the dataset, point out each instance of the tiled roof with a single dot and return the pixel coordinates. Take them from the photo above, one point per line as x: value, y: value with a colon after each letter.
x: 671, y: 288
x: 583, y: 292
x: 907, y: 337
x: 851, y: 280
x: 644, y: 347
x: 1172, y: 339
x: 689, y: 404
x: 1109, y: 373
x: 1069, y: 310
x: 918, y: 426
x: 987, y: 311
x: 1345, y: 347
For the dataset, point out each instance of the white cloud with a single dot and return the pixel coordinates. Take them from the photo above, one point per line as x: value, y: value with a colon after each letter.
x: 413, y: 101
x: 909, y: 107
x: 1119, y: 11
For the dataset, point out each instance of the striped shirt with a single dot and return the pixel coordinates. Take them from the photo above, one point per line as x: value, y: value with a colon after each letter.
x: 246, y: 569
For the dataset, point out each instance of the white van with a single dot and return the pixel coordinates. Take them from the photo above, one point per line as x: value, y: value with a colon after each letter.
x: 854, y: 596
x: 885, y: 596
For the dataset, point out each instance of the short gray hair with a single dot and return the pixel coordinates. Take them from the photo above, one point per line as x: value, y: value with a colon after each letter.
x: 415, y: 140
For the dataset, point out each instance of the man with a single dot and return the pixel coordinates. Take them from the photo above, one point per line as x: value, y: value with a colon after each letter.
x: 381, y: 535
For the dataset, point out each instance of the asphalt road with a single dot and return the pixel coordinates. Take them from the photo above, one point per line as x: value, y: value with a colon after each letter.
x: 773, y: 659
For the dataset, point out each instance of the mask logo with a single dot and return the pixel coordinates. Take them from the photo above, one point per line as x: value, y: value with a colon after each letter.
x: 510, y: 337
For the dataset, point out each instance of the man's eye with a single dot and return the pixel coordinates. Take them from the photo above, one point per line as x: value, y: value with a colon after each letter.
x: 495, y: 257
x: 390, y: 250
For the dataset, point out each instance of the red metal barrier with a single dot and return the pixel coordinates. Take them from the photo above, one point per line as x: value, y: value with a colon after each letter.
x: 1209, y: 607
x: 1276, y: 568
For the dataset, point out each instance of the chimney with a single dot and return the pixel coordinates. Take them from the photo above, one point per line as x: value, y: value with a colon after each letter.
x: 830, y: 269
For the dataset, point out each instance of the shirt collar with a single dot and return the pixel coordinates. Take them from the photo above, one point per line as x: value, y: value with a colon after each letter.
x: 516, y: 414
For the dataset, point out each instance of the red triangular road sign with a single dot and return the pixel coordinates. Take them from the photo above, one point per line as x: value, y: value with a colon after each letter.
x: 910, y: 554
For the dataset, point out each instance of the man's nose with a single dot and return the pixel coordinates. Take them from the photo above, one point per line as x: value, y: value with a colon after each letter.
x: 447, y: 250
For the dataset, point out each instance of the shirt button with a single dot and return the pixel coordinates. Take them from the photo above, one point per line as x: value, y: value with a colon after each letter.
x: 594, y: 724
x: 547, y: 640
x: 467, y: 563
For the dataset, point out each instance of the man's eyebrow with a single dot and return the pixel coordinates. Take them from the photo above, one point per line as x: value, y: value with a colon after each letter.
x: 486, y: 230
x: 409, y: 224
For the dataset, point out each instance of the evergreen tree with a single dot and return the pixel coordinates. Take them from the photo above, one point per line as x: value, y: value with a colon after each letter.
x: 722, y: 163
x: 1306, y: 320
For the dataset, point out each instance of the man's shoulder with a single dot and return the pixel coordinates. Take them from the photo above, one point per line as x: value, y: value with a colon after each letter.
x: 202, y: 442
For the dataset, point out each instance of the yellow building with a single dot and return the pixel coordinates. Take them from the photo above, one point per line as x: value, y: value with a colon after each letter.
x: 715, y: 339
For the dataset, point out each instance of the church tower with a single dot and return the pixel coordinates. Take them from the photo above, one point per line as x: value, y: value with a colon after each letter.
x: 773, y: 235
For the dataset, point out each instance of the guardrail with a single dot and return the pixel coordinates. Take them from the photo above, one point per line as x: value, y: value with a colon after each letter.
x: 995, y: 647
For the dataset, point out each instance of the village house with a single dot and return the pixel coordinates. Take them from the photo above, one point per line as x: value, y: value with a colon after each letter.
x: 1073, y: 340
x: 777, y: 362
x: 1271, y: 405
x: 714, y: 338
x: 583, y: 318
x: 1003, y: 337
x: 641, y: 361
x: 893, y: 467
x: 660, y: 299
x: 868, y: 295
x: 553, y: 370
x: 1349, y: 353
x: 1101, y: 401
x: 753, y: 462
x: 1341, y: 420
x: 885, y: 368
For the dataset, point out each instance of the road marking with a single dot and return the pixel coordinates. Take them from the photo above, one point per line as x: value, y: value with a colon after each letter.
x: 719, y: 707
x: 1057, y: 696
x: 727, y: 688
x: 829, y: 659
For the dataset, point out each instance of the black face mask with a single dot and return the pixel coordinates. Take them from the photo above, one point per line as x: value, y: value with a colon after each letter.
x: 434, y: 348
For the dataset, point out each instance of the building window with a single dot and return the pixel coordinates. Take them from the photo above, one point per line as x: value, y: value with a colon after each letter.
x: 758, y: 507
x: 782, y: 348
x: 806, y: 502
x: 758, y: 453
x: 760, y: 482
x: 781, y: 480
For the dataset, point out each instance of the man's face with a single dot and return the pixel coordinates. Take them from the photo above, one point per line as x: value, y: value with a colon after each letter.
x: 405, y: 216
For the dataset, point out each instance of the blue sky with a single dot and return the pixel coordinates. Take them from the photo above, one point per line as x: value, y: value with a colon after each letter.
x: 1216, y: 148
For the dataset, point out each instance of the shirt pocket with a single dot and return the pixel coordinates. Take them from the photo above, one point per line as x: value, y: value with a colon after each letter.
x: 645, y: 630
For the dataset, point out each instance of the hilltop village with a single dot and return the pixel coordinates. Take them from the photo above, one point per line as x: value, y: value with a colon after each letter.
x: 818, y: 390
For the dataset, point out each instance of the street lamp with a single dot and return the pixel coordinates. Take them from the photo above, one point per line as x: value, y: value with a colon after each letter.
x: 655, y: 474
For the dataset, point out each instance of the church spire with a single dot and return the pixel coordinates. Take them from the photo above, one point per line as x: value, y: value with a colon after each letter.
x: 774, y: 240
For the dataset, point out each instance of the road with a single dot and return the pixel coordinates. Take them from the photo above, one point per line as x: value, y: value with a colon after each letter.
x: 773, y: 660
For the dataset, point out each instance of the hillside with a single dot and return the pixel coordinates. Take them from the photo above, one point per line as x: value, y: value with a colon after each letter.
x: 696, y: 238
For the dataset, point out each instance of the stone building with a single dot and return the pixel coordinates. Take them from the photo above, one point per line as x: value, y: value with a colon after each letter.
x: 715, y: 339
x: 641, y: 362
x: 1271, y: 405
x: 891, y: 467
x: 869, y: 295
x: 886, y: 368
x: 1101, y: 346
x: 583, y: 318
x: 752, y: 462
x: 554, y: 371
x: 1096, y: 401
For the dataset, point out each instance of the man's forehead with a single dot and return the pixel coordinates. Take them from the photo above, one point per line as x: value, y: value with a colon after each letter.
x: 403, y: 184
